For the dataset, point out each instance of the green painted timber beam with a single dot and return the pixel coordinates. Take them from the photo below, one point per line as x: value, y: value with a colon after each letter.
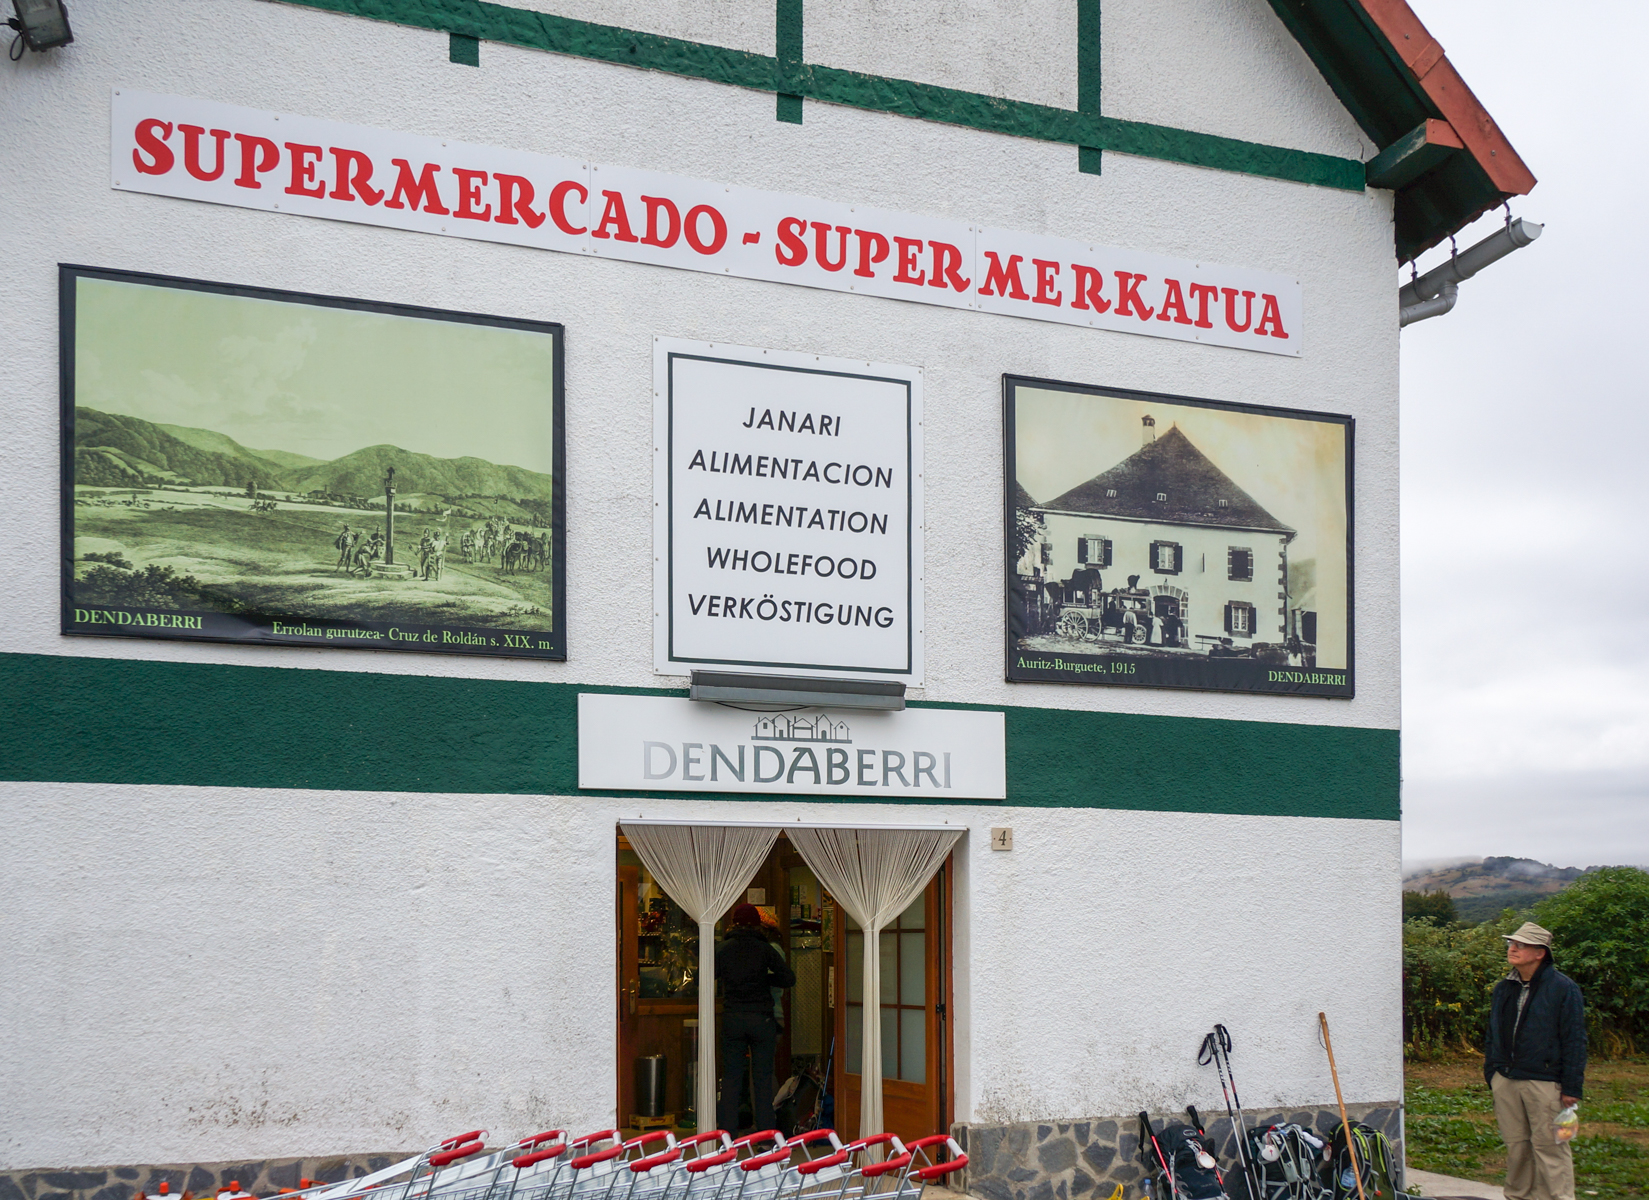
x: 768, y: 73
x: 1417, y: 152
x: 72, y: 719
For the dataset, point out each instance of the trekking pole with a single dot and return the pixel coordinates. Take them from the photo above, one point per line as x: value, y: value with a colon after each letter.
x: 1163, y: 1162
x: 1351, y: 1149
x: 1217, y: 1042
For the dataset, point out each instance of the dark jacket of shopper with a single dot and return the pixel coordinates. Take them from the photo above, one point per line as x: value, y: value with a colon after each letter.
x: 747, y: 965
x: 1548, y: 1041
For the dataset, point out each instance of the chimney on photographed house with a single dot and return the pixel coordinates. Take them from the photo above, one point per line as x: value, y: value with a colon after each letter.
x: 1150, y: 434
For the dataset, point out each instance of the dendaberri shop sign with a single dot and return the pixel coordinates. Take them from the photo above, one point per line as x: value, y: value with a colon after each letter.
x: 199, y: 150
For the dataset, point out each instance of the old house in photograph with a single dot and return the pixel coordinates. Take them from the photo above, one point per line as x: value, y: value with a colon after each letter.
x: 1168, y: 523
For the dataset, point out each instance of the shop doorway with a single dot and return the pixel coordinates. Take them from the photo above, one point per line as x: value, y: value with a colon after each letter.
x: 915, y: 1009
x: 821, y: 1015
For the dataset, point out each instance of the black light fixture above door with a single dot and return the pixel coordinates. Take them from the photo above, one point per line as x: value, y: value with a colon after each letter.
x: 40, y: 25
x: 726, y: 687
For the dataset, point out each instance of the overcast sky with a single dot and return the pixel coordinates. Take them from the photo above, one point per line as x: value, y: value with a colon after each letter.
x: 1525, y: 543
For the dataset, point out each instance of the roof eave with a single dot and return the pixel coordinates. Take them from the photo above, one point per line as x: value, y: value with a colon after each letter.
x: 1395, y: 80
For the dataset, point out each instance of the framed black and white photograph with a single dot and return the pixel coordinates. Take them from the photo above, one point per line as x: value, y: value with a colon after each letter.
x: 1168, y: 541
x: 254, y: 466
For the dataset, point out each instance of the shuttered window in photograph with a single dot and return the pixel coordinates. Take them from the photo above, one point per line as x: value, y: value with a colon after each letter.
x: 1239, y: 564
x: 1093, y: 551
x: 1167, y: 558
x: 1239, y: 619
x: 1047, y: 554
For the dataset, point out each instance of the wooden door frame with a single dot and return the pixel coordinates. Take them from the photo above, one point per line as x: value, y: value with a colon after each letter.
x: 940, y: 994
x: 628, y: 880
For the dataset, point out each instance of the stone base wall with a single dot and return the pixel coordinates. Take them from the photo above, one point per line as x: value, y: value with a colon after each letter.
x: 202, y: 1180
x: 1070, y: 1160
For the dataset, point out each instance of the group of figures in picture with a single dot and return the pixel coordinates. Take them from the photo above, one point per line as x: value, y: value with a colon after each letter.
x: 493, y: 541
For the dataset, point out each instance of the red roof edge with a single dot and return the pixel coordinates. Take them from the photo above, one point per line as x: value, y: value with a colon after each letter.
x: 1442, y: 84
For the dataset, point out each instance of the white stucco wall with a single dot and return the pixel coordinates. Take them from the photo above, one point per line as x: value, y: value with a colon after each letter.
x: 212, y: 973
x: 217, y: 973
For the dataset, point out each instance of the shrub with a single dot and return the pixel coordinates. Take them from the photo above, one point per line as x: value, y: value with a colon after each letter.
x: 1600, y: 931
x: 1600, y: 926
x: 1448, y: 972
x: 1436, y: 907
x: 152, y: 587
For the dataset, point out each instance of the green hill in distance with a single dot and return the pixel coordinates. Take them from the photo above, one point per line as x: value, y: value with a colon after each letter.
x: 1481, y: 888
x: 285, y: 458
x: 362, y: 474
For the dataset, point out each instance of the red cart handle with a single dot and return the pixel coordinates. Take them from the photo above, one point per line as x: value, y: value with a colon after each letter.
x: 542, y: 1137
x: 538, y: 1156
x: 705, y: 1161
x: 658, y: 1135
x: 939, y: 1169
x: 460, y: 1139
x: 763, y: 1160
x: 877, y: 1139
x: 453, y: 1155
x: 819, y: 1164
x: 605, y: 1135
x: 897, y: 1163
x: 589, y: 1160
x: 656, y: 1160
x: 699, y: 1139
x: 765, y: 1135
x: 811, y: 1136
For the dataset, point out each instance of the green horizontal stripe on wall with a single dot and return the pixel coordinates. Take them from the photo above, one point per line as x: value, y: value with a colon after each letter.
x: 739, y: 68
x: 100, y: 720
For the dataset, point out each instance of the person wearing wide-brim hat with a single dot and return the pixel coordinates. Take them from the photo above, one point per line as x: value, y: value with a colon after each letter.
x: 1535, y: 1063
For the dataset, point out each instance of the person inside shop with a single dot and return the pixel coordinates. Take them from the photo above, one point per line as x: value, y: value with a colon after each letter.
x: 748, y: 966
x: 1535, y: 1064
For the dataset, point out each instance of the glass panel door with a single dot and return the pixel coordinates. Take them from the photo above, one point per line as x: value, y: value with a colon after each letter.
x: 905, y: 1010
x: 911, y: 1004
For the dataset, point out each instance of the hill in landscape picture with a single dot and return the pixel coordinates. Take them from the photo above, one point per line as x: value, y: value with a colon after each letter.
x: 112, y: 450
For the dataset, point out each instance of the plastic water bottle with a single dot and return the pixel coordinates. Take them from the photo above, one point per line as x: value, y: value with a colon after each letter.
x: 1567, y: 1124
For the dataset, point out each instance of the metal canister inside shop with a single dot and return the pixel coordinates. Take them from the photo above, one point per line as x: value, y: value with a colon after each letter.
x: 651, y: 1075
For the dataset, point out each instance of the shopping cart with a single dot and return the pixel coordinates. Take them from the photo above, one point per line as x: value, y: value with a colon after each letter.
x: 880, y: 1167
x: 814, y: 1165
x: 408, y: 1179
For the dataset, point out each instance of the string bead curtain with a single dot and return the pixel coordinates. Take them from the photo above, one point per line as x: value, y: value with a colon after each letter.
x: 874, y: 874
x: 703, y: 868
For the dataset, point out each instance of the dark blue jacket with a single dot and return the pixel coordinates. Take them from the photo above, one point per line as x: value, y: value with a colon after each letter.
x: 747, y: 964
x: 1550, y: 1040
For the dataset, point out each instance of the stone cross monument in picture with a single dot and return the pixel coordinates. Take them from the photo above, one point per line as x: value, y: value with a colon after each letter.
x: 389, y: 518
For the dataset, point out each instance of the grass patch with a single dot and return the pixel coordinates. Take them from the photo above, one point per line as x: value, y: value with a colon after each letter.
x: 1451, y: 1127
x: 1454, y: 1146
x: 1424, y: 1101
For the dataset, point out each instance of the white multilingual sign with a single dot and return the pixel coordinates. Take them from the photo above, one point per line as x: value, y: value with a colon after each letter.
x: 219, y: 153
x: 665, y: 744
x: 788, y: 513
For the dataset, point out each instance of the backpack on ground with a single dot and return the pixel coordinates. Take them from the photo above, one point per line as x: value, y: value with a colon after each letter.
x: 1288, y: 1159
x: 1181, y: 1161
x: 1375, y: 1163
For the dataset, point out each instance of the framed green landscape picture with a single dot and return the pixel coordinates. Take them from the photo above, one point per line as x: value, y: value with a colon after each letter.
x: 254, y: 466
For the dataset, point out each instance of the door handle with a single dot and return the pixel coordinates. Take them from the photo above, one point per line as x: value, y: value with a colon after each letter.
x: 634, y: 989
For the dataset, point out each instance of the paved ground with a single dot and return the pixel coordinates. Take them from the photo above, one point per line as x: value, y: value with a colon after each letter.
x: 1446, y: 1187
x: 1424, y: 1183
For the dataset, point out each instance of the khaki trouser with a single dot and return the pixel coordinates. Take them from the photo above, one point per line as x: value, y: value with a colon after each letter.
x: 1538, y: 1166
